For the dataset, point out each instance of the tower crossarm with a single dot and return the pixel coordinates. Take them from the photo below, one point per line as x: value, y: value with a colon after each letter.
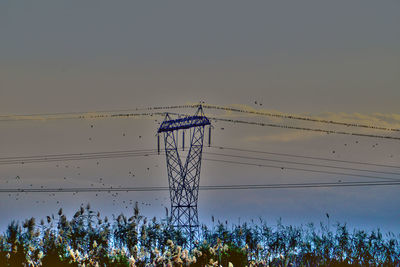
x: 183, y: 123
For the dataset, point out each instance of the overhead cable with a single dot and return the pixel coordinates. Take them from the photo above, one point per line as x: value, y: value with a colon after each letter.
x: 204, y: 187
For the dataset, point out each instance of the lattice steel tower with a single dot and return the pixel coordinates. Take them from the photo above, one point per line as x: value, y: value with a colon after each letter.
x: 184, y: 178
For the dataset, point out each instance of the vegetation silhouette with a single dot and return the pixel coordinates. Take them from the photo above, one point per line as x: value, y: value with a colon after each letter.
x: 88, y: 239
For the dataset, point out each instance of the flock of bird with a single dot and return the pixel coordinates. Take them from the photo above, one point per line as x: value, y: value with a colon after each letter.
x: 118, y: 199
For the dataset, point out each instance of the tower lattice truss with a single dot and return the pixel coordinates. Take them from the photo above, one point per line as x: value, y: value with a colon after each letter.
x: 184, y: 178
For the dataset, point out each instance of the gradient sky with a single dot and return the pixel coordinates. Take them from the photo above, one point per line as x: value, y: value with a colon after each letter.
x: 336, y: 60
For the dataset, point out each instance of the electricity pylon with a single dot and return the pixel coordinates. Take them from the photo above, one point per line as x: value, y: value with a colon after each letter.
x: 184, y: 178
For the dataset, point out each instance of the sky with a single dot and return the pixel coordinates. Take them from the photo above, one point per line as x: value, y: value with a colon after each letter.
x: 337, y: 60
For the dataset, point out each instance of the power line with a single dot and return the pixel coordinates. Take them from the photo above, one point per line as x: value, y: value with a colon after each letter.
x: 91, y: 114
x: 299, y: 185
x: 296, y: 117
x: 78, y: 154
x: 61, y: 157
x: 301, y: 163
x: 144, y: 152
x: 306, y: 157
x: 304, y: 170
x: 98, y: 111
x: 106, y: 113
x: 305, y: 128
x: 209, y: 187
x: 127, y: 115
x: 152, y: 152
x: 80, y: 158
x: 77, y: 115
